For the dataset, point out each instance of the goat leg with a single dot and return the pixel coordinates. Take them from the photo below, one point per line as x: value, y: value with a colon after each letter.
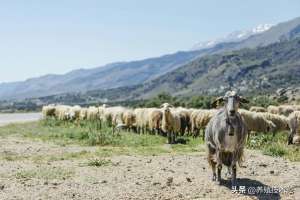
x: 233, y: 175
x: 213, y: 166
x: 219, y: 168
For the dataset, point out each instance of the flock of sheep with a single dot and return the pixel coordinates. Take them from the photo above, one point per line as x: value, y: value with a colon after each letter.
x: 171, y: 122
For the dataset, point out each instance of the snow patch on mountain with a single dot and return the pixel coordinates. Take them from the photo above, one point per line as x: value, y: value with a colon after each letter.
x: 235, y: 36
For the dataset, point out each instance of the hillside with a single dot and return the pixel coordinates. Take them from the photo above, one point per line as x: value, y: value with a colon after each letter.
x: 127, y: 74
x: 106, y: 77
x: 250, y: 70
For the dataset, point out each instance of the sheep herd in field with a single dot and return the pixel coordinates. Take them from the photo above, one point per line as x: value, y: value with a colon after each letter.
x: 171, y: 122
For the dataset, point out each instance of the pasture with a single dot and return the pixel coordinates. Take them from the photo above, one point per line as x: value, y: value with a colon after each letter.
x: 54, y: 159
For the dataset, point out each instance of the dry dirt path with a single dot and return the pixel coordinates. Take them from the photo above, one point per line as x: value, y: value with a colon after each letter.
x: 18, y: 117
x: 30, y: 170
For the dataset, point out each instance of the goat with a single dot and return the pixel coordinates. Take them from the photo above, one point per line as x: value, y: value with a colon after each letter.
x: 225, y: 136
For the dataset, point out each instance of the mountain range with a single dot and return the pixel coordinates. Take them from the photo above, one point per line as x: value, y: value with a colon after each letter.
x: 226, y: 62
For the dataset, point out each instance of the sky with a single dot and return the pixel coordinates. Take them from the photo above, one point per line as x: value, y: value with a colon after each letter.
x: 56, y: 36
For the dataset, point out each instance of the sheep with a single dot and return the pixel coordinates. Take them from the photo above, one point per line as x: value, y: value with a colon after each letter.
x: 171, y: 122
x: 113, y: 116
x: 281, y: 122
x: 200, y: 119
x: 75, y: 112
x: 117, y: 115
x: 83, y: 114
x: 92, y: 113
x: 185, y: 121
x: 286, y: 109
x: 141, y: 119
x: 225, y: 136
x: 154, y: 117
x: 48, y: 111
x: 101, y: 110
x: 294, y: 123
x: 257, y: 109
x: 257, y: 122
x: 62, y: 112
x: 273, y: 109
x: 128, y: 119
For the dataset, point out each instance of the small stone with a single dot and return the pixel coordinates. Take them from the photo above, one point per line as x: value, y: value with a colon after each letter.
x: 263, y: 165
x: 272, y: 172
x: 188, y: 179
x: 1, y: 187
x: 156, y: 183
x: 169, y: 181
x: 46, y: 183
x: 104, y: 181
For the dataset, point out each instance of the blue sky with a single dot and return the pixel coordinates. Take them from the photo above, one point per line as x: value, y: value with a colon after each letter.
x: 56, y: 36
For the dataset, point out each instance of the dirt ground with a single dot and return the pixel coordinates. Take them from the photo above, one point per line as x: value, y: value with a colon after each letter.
x: 29, y: 170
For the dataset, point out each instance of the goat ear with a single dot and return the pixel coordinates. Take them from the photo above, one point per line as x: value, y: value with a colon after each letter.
x: 243, y: 100
x: 217, y: 102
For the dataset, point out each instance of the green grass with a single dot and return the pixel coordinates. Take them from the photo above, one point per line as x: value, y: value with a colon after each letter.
x: 126, y: 143
x: 274, y: 146
x: 90, y: 134
x: 96, y: 162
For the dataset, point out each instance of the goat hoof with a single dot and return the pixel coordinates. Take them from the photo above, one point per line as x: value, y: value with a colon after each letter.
x: 233, y: 183
x: 219, y: 181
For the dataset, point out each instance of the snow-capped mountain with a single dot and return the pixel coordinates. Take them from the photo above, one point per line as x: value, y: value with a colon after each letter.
x: 235, y: 36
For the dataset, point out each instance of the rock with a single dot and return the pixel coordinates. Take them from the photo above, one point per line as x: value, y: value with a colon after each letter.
x: 1, y: 187
x: 156, y: 183
x: 263, y: 165
x: 188, y: 179
x: 104, y: 181
x: 272, y: 172
x: 169, y: 181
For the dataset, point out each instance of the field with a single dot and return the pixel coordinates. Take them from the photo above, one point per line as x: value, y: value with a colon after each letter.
x: 60, y: 160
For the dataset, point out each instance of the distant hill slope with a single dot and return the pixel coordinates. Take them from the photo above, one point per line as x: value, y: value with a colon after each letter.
x: 136, y: 72
x: 109, y: 76
x: 250, y: 70
x: 253, y: 71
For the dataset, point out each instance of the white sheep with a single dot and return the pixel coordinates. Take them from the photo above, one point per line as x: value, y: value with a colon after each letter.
x: 273, y: 109
x: 257, y: 109
x: 142, y: 121
x: 83, y: 114
x: 62, y: 112
x: 200, y: 118
x: 92, y: 113
x: 294, y: 122
x: 171, y: 123
x: 154, y: 118
x: 48, y: 111
x: 257, y: 122
x: 281, y: 122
